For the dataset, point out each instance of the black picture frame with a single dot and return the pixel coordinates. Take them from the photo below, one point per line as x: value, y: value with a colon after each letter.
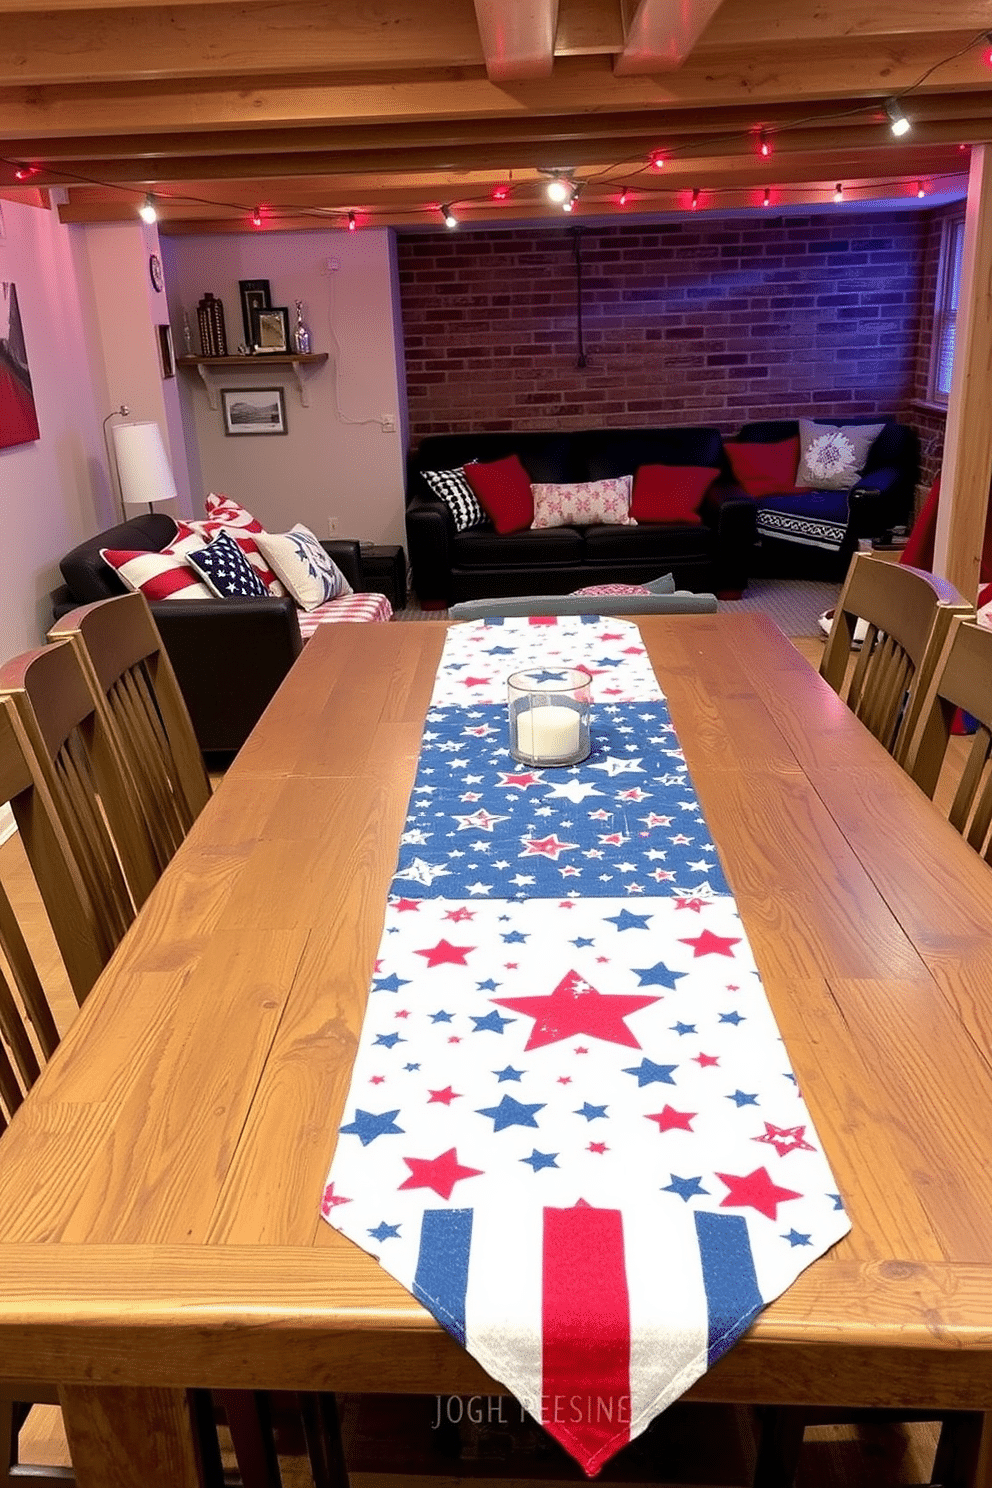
x: 255, y: 295
x: 270, y: 330
x: 254, y: 411
x: 166, y: 354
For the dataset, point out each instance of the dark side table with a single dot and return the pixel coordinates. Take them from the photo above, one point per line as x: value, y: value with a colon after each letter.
x: 384, y: 567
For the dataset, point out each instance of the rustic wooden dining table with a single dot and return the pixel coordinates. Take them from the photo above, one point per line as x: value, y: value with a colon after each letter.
x: 160, y: 1189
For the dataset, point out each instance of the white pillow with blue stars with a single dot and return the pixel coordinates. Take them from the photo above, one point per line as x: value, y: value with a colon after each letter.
x: 304, y: 566
x: 226, y: 571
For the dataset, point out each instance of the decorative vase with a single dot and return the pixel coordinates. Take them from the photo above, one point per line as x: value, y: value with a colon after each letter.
x: 301, y: 333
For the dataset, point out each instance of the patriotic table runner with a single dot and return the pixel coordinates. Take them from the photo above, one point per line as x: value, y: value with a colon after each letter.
x: 572, y: 1130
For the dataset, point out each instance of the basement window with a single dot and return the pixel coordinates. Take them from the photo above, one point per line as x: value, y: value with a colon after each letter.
x: 946, y: 309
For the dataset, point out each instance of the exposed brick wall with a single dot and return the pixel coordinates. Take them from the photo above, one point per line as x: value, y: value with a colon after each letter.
x: 695, y: 322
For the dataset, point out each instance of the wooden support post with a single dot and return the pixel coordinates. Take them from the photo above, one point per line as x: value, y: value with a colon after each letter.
x: 967, y: 463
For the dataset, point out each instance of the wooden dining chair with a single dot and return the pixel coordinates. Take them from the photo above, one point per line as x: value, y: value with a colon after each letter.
x: 962, y: 679
x: 907, y: 614
x: 119, y: 646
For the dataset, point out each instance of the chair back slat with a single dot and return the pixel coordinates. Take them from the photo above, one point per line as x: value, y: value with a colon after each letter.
x: 119, y: 644
x: 962, y: 680
x: 907, y: 613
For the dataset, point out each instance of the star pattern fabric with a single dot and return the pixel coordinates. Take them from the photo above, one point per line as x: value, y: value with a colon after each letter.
x: 572, y: 1129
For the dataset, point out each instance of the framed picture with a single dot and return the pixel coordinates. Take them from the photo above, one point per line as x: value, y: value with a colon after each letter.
x: 166, y: 355
x: 254, y: 296
x: 254, y: 410
x: 270, y: 329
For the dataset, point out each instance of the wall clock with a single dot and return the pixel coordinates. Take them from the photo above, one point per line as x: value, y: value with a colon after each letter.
x: 155, y: 270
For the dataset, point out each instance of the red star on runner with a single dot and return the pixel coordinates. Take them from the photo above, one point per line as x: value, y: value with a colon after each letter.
x: 461, y: 913
x: 785, y: 1139
x: 376, y: 1079
x: 474, y: 681
x: 331, y: 1200
x: 520, y: 782
x: 599, y: 815
x: 576, y: 1007
x: 402, y: 1013
x: 439, y: 1173
x: 634, y: 794
x: 444, y: 953
x: 443, y: 1097
x: 564, y: 1079
x: 755, y: 1191
x: 549, y: 847
x: 403, y: 905
x: 694, y: 904
x: 681, y: 839
x: 705, y: 1060
x: 596, y: 1147
x: 654, y: 820
x: 708, y: 944
x: 669, y: 1119
x: 612, y: 839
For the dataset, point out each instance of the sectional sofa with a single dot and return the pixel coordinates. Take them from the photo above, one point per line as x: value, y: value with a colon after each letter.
x: 716, y: 548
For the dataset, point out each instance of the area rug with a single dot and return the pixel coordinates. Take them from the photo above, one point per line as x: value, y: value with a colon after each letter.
x: 794, y: 604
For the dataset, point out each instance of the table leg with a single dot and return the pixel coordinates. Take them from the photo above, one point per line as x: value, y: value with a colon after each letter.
x: 131, y: 1438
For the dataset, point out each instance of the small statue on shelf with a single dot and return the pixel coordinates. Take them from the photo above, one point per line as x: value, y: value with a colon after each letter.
x: 301, y: 333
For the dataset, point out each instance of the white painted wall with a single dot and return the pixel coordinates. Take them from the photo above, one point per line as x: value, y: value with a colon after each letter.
x: 335, y: 459
x: 53, y: 492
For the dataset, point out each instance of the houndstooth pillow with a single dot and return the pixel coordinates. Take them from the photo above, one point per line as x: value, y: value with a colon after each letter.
x: 456, y: 493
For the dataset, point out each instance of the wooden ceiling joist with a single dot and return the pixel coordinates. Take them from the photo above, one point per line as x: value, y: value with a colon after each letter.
x: 660, y: 34
x: 518, y: 41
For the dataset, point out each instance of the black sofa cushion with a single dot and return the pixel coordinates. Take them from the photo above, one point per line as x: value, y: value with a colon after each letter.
x: 660, y: 541
x: 482, y: 547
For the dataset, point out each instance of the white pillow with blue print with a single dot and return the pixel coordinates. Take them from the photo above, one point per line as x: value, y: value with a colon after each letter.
x: 226, y: 571
x: 304, y: 565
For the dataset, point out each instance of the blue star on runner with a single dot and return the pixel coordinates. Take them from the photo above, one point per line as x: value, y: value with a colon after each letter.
x: 384, y: 1231
x: 627, y: 921
x: 515, y: 937
x: 648, y: 1073
x: 508, y: 1074
x: 368, y: 1125
x: 391, y: 983
x: 440, y: 1016
x: 741, y: 1098
x: 487, y: 986
x: 511, y: 1112
x: 539, y: 1160
x: 794, y: 1238
x: 591, y: 1113
x: 686, y: 1188
x: 681, y: 1028
x: 493, y: 1022
x: 734, y: 1018
x: 657, y: 975
x: 388, y: 1040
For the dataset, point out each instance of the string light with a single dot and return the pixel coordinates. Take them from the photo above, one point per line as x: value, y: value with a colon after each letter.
x: 838, y: 192
x: 500, y: 193
x: 695, y: 199
x: 658, y: 160
x: 147, y: 211
x: 624, y: 197
x: 25, y: 172
x: 559, y: 188
x: 450, y: 220
x: 767, y: 198
x: 352, y: 224
x: 567, y: 206
x: 256, y: 217
x: 919, y: 190
x: 898, y: 122
x: 988, y: 52
x: 764, y: 144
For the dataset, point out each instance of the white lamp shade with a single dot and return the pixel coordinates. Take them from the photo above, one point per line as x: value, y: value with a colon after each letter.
x: 142, y: 464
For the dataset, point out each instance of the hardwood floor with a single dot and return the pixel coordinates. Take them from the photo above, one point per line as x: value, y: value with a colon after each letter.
x: 689, y: 1444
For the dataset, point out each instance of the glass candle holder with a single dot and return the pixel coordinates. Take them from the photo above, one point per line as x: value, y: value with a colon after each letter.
x: 549, y: 710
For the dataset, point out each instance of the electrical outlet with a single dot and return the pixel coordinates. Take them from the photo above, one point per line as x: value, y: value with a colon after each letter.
x: 388, y: 423
x: 332, y: 526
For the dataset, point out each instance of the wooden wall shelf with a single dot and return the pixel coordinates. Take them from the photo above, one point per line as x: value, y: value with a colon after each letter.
x: 210, y: 368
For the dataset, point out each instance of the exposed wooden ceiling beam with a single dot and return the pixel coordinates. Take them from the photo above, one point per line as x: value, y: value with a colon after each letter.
x: 518, y: 41
x: 660, y: 34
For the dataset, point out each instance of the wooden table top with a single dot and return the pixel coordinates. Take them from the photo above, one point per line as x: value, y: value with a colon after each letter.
x: 160, y: 1188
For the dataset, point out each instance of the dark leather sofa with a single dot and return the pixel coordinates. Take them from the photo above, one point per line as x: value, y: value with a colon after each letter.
x: 450, y: 566
x: 229, y: 655
x: 882, y: 499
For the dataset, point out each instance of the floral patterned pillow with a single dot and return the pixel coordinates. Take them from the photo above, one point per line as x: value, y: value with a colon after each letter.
x: 832, y: 456
x: 584, y: 503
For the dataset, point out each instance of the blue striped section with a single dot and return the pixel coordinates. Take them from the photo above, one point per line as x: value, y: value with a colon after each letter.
x: 732, y: 1296
x: 442, y: 1266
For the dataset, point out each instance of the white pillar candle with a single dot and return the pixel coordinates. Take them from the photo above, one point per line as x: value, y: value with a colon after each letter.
x: 548, y: 733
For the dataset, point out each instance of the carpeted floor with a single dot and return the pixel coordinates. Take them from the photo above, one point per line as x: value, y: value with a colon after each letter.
x: 794, y: 604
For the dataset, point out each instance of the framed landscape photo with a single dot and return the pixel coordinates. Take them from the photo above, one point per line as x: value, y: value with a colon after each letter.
x: 270, y: 329
x: 254, y: 296
x: 254, y: 410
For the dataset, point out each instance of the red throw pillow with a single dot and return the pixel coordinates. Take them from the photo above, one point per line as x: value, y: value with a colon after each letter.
x: 764, y: 469
x: 670, y: 493
x: 503, y: 489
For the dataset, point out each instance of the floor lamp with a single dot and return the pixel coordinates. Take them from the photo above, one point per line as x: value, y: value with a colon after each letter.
x: 143, y: 469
